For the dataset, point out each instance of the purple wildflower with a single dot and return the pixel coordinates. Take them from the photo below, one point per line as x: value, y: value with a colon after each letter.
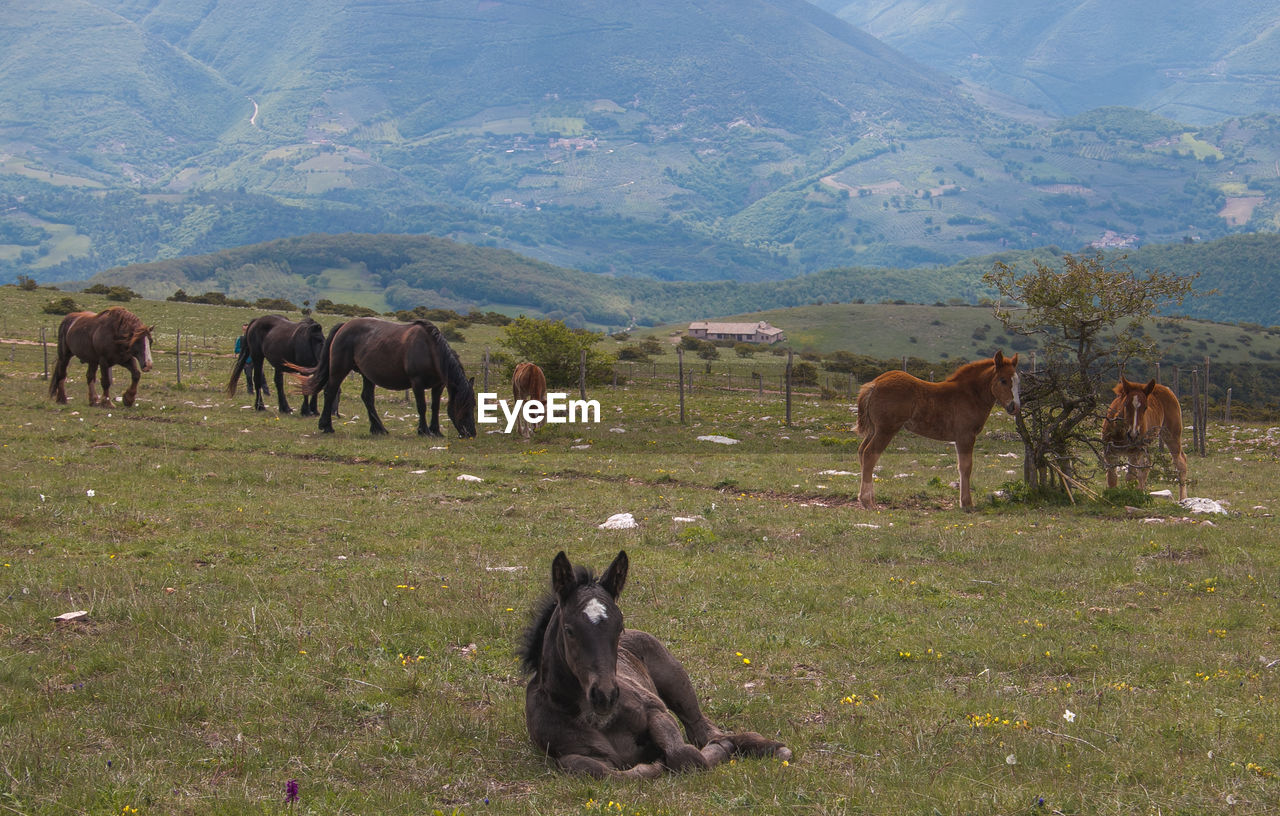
x: 291, y: 791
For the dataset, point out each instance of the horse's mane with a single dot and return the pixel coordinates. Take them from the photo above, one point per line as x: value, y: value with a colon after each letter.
x: 126, y: 327
x: 529, y: 649
x: 973, y: 370
x: 455, y: 374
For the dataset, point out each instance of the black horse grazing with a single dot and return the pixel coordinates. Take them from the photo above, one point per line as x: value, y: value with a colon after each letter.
x: 114, y: 336
x: 284, y: 344
x: 398, y: 356
x: 600, y: 698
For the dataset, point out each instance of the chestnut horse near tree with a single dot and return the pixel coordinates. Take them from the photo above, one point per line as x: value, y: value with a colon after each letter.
x: 1138, y: 414
x: 953, y: 410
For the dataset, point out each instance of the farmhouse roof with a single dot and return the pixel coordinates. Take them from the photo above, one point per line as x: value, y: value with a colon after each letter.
x: 734, y: 328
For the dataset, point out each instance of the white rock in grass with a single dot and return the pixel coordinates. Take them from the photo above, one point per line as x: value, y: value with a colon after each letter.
x: 835, y: 473
x: 67, y: 617
x: 1163, y: 494
x: 1200, y: 505
x: 719, y: 440
x: 467, y: 477
x: 619, y: 521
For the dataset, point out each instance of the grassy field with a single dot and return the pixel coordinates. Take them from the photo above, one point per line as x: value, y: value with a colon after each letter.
x: 268, y: 604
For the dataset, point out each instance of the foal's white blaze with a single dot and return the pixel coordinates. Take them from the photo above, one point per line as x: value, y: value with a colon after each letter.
x: 1017, y: 391
x: 595, y: 611
x: 146, y: 354
x: 1134, y: 429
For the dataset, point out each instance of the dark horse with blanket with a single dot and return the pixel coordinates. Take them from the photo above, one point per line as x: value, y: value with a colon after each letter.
x: 286, y: 345
x: 604, y: 700
x: 114, y: 336
x: 398, y: 356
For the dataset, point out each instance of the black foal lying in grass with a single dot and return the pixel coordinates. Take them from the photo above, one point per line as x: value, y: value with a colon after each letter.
x: 603, y: 700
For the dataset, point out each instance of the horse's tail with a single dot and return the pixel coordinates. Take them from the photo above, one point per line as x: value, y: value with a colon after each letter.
x: 315, y: 378
x: 864, y: 397
x: 64, y: 357
x: 238, y: 368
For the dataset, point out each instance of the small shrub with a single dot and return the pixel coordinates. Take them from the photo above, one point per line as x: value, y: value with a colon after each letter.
x: 275, y: 305
x: 1124, y: 496
x: 61, y: 306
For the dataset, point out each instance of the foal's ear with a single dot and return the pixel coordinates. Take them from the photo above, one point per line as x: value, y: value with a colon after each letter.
x: 1151, y: 386
x: 562, y: 580
x: 1014, y: 361
x: 998, y: 358
x: 616, y: 575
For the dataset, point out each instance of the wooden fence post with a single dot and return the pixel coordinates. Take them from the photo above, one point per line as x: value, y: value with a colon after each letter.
x: 44, y: 342
x: 788, y: 375
x: 680, y: 379
x: 177, y: 355
x: 582, y: 374
x: 485, y: 366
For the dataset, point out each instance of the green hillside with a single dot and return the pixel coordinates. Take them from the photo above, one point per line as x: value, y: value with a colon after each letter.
x: 674, y: 141
x: 88, y: 90
x: 1239, y: 280
x: 1194, y: 60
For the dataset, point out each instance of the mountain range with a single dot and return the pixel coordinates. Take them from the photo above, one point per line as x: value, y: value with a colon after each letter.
x: 752, y: 140
x: 1194, y: 61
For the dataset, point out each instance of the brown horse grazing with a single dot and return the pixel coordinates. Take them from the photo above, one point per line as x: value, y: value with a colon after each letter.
x: 114, y: 336
x: 600, y: 698
x: 1138, y: 413
x: 398, y: 356
x: 528, y: 383
x: 286, y: 345
x: 953, y: 410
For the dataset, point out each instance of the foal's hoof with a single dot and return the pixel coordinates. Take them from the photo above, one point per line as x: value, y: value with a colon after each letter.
x: 686, y: 758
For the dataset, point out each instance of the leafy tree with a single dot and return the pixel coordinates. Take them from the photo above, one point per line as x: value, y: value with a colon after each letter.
x: 633, y: 354
x: 557, y: 349
x: 652, y: 347
x: 690, y: 343
x: 1087, y: 316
